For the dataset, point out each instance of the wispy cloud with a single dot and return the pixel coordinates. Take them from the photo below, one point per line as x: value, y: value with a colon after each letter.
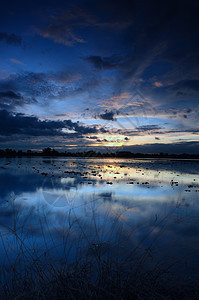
x: 158, y: 84
x: 65, y: 28
x: 17, y: 61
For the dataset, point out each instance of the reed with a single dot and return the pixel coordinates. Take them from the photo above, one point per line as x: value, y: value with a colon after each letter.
x: 87, y: 261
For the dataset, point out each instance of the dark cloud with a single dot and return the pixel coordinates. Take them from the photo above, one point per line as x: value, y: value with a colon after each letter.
x: 92, y: 137
x: 103, y: 130
x: 174, y: 148
x: 20, y: 124
x: 148, y: 127
x: 105, y: 141
x: 9, y: 100
x: 165, y: 32
x: 106, y: 63
x: 11, y: 39
x: 108, y: 116
x: 10, y: 95
x: 156, y: 130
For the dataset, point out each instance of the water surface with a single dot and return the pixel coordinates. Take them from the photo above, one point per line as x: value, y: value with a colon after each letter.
x: 59, y: 206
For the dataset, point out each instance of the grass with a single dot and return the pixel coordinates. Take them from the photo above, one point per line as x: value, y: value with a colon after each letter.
x: 87, y: 261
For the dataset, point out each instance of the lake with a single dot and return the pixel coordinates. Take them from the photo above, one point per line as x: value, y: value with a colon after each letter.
x: 140, y: 210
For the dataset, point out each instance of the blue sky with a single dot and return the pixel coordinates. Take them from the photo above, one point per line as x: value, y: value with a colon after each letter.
x: 100, y: 75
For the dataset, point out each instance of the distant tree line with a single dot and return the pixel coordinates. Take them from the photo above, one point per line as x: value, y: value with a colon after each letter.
x: 120, y: 154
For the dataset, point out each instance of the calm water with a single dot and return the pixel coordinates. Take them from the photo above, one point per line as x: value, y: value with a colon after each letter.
x: 58, y: 207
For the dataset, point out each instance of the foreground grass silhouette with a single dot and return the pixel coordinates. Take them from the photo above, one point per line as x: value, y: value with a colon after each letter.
x: 93, y: 264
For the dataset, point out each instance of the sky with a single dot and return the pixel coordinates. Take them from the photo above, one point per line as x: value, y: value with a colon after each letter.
x: 100, y: 75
